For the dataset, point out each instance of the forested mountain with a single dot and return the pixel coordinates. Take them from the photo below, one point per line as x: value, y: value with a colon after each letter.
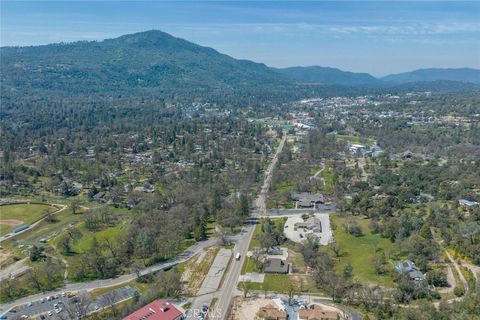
x: 149, y: 61
x: 434, y: 74
x: 154, y: 63
x: 429, y: 78
x: 326, y: 75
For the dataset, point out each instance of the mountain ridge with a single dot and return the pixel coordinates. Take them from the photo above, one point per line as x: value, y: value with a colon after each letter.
x: 433, y: 74
x: 329, y: 75
x: 155, y: 62
x: 147, y: 60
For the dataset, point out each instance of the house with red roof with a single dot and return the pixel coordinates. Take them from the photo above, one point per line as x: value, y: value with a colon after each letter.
x: 156, y: 310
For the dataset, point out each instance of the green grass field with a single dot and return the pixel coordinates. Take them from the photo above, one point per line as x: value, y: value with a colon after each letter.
x: 360, y: 252
x: 4, y: 229
x: 284, y: 186
x: 85, y: 242
x: 279, y: 222
x: 327, y: 176
x: 282, y: 282
x: 356, y: 140
x: 27, y: 213
x: 250, y: 266
x: 24, y: 213
x: 254, y: 243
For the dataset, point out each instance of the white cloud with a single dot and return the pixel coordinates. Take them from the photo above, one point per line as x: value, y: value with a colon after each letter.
x: 409, y: 29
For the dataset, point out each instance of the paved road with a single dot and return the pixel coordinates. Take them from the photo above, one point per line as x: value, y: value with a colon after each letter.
x: 92, y: 285
x: 36, y: 308
x: 229, y: 287
x: 289, y: 212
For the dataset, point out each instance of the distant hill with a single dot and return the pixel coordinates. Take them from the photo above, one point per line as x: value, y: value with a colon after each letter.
x: 436, y: 74
x: 151, y: 60
x: 156, y: 63
x: 326, y: 75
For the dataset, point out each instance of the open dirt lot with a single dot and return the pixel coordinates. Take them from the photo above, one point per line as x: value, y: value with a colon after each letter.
x: 246, y: 309
x: 11, y: 222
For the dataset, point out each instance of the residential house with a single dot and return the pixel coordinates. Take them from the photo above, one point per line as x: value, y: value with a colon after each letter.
x: 147, y: 187
x: 316, y: 312
x: 269, y: 312
x: 409, y: 267
x: 274, y: 265
x: 275, y: 251
x: 422, y: 198
x: 467, y: 203
x: 156, y: 310
x: 307, y: 200
x: 312, y: 223
x: 99, y: 195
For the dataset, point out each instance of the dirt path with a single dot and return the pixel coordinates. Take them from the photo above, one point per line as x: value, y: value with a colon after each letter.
x: 451, y: 280
x: 455, y: 265
x: 361, y: 165
x: 459, y: 271
x: 473, y: 268
x: 11, y: 222
x: 319, y: 171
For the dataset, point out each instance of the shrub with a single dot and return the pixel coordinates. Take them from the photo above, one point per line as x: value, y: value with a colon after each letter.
x: 459, y: 291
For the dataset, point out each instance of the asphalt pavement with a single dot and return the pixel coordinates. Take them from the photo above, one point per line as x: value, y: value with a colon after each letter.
x: 54, y: 306
x: 92, y: 285
x: 229, y: 287
x: 289, y: 212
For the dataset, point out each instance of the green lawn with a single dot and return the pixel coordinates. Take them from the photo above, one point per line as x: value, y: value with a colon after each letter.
x: 254, y: 243
x: 4, y: 229
x: 84, y: 244
x: 284, y: 186
x: 360, y: 251
x: 24, y: 213
x: 327, y: 176
x: 356, y: 140
x: 281, y: 282
x: 314, y: 170
x: 279, y: 222
x: 250, y: 266
x: 27, y: 213
x: 296, y: 259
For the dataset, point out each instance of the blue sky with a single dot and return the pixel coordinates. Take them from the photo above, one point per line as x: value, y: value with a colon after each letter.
x: 362, y: 36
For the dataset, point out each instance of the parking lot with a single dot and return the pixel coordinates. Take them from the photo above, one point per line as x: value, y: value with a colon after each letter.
x: 300, y: 234
x: 55, y: 307
x: 38, y: 307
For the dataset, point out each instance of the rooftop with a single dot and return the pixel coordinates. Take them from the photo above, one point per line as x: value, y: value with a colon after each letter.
x: 269, y: 312
x: 273, y: 265
x: 156, y: 310
x: 315, y: 312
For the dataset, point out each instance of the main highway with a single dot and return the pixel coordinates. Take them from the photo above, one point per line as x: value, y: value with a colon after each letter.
x: 228, y: 289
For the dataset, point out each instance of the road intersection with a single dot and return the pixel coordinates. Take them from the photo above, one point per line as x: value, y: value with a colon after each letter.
x: 230, y: 278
